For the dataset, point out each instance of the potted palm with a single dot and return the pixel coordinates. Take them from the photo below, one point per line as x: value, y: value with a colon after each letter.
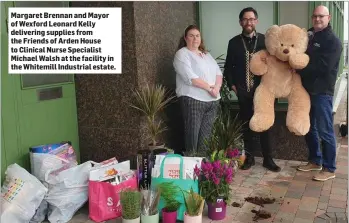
x: 150, y: 101
x: 130, y: 200
x: 194, y: 204
x: 169, y: 193
x: 149, y: 205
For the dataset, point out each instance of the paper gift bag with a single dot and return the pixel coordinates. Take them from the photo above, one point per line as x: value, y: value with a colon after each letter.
x: 184, y: 184
x: 104, y: 199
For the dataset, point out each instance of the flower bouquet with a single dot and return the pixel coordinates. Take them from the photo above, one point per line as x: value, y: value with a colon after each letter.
x: 215, y: 177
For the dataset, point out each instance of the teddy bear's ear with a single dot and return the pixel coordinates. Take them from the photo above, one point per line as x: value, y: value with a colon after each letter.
x: 272, y: 39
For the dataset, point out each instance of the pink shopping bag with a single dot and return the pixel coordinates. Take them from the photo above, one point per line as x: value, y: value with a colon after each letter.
x: 104, y: 199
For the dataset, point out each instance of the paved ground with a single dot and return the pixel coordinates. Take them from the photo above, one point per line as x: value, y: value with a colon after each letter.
x: 299, y: 199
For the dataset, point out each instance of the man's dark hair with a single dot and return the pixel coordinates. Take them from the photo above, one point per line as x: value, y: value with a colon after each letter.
x: 248, y: 9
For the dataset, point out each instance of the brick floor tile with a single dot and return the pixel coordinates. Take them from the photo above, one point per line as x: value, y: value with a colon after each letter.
x: 339, y: 191
x: 294, y: 194
x: 300, y: 220
x: 293, y: 163
x: 341, y: 176
x: 308, y: 215
x: 244, y: 217
x: 325, y: 192
x: 282, y: 183
x: 290, y: 205
x: 319, y: 220
x: 247, y: 207
x: 278, y: 192
x: 205, y: 219
x: 337, y: 204
x: 272, y: 208
x: 311, y: 193
x: 324, y: 198
x: 284, y: 216
x: 322, y: 205
x: 340, y: 186
x: 338, y: 197
x: 319, y: 212
x: 336, y: 180
x: 308, y: 204
x: 332, y: 209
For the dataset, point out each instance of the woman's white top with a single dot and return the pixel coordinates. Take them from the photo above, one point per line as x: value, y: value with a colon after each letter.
x: 189, y: 65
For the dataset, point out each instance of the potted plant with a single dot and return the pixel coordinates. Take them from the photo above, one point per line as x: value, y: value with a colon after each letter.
x: 194, y: 204
x: 149, y: 205
x: 130, y: 200
x: 215, y: 177
x: 169, y: 193
x: 151, y: 100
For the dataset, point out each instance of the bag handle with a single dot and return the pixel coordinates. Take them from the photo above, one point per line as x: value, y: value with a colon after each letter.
x: 181, y: 166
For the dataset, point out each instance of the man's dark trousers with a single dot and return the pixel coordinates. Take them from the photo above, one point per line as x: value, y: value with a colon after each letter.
x: 321, y: 131
x: 252, y: 139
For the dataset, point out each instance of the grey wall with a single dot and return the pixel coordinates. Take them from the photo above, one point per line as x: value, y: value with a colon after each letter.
x: 107, y: 125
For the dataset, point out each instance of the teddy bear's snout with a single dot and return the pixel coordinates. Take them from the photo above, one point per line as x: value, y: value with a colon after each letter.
x: 286, y: 51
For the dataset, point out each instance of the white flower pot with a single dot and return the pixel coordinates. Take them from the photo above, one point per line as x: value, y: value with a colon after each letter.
x: 192, y: 219
x: 136, y: 220
x: 150, y: 218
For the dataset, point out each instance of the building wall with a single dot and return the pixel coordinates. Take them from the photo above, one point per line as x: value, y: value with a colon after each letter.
x: 288, y: 10
x: 107, y: 125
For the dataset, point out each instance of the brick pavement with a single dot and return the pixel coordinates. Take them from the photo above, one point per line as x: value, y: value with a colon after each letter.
x: 299, y: 199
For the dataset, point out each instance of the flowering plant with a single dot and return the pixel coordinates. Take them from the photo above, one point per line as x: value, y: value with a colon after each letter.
x: 216, y: 175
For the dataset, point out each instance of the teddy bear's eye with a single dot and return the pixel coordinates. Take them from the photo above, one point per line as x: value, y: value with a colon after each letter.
x: 292, y: 45
x: 282, y: 44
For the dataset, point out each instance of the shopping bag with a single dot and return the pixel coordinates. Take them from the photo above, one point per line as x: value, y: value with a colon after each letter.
x: 184, y: 184
x: 104, y: 199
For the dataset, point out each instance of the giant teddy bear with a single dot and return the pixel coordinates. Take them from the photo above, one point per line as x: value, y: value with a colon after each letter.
x: 286, y: 46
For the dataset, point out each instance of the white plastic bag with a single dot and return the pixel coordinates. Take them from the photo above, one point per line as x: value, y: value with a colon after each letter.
x: 68, y: 192
x: 21, y: 195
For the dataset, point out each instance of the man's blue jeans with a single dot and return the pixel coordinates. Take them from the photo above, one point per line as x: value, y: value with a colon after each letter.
x: 322, y: 132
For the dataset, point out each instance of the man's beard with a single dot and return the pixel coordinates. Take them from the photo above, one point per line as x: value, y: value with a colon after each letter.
x: 248, y: 31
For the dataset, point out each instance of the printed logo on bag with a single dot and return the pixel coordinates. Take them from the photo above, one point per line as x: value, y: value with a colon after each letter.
x: 316, y: 44
x: 110, y: 204
x: 11, y: 188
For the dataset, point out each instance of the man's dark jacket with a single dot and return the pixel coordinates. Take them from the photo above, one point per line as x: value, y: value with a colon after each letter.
x: 235, y: 64
x: 324, y: 50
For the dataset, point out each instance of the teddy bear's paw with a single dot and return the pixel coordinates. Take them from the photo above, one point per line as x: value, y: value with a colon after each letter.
x: 261, y: 122
x: 299, y: 127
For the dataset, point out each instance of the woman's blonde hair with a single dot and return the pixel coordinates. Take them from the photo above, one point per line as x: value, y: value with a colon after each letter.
x: 182, y: 42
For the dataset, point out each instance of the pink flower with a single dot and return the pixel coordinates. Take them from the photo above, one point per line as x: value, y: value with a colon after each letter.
x: 197, y: 171
x: 215, y: 180
x: 232, y: 153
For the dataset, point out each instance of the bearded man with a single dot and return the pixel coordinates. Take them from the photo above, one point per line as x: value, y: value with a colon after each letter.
x: 244, y: 83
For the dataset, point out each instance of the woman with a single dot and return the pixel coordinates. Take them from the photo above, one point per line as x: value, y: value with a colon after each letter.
x: 198, y: 82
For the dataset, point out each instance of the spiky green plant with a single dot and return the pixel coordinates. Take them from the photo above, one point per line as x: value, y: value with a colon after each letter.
x: 130, y: 200
x: 226, y: 132
x: 194, y: 203
x: 150, y: 100
x: 169, y: 192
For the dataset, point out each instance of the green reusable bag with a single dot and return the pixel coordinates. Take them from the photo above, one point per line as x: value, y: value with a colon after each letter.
x: 184, y: 184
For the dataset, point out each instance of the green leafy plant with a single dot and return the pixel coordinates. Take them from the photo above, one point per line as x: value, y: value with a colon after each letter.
x: 226, y: 132
x: 169, y: 192
x: 130, y: 200
x: 194, y: 203
x: 150, y: 100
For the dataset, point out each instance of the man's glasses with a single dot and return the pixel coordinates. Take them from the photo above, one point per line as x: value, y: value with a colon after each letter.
x: 318, y: 16
x: 248, y: 20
